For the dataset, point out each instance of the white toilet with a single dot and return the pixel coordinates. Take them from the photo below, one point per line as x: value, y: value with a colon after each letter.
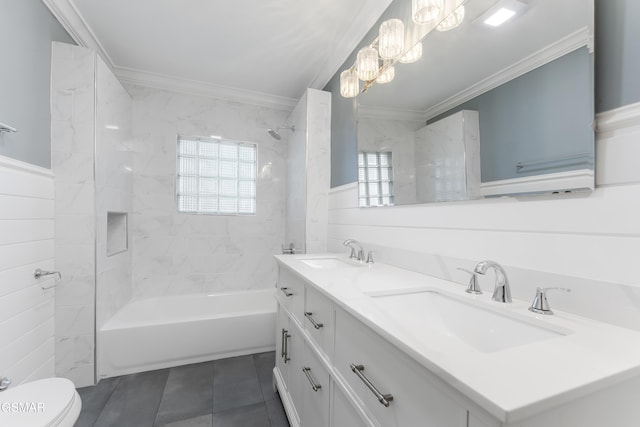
x: 43, y: 403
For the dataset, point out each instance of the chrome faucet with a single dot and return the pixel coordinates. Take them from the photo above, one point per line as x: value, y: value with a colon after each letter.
x: 354, y: 245
x: 502, y: 291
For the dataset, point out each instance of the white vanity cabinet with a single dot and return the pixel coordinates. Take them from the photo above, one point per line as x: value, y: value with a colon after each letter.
x: 317, y: 346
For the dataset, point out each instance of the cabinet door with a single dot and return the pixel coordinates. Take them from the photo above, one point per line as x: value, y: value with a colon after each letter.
x: 282, y: 332
x: 395, y: 390
x: 296, y: 355
x: 319, y: 321
x: 315, y: 391
x: 343, y: 413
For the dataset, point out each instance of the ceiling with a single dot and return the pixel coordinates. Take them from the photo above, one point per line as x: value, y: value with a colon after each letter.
x: 266, y: 52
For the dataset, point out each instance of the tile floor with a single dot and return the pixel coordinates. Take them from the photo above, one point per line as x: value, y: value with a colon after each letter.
x: 234, y: 392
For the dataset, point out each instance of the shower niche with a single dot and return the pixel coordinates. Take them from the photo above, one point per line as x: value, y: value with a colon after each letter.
x: 117, y: 226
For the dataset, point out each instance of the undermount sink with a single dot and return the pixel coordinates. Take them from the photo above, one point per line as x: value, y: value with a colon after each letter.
x: 476, y: 325
x: 329, y: 263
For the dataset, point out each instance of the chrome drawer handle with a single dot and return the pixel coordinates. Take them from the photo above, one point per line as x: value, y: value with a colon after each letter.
x: 385, y: 399
x: 282, y: 353
x: 286, y: 292
x: 285, y: 346
x: 314, y: 386
x: 315, y: 324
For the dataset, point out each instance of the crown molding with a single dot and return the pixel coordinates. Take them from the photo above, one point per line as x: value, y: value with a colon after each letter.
x: 194, y: 87
x: 72, y: 21
x: 568, y: 44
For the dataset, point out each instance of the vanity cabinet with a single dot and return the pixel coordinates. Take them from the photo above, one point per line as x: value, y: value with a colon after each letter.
x: 316, y: 346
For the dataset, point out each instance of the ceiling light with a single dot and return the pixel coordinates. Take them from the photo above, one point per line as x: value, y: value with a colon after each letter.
x: 412, y: 55
x: 367, y: 63
x: 500, y: 17
x: 349, y: 83
x: 502, y: 12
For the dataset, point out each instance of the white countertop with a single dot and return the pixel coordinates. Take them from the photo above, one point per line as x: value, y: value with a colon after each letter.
x: 511, y: 384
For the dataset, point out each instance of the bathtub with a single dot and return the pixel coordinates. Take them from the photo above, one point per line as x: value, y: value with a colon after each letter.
x: 176, y: 330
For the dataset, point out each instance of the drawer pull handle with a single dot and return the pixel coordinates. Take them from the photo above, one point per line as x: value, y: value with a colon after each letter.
x: 315, y: 324
x: 286, y: 292
x: 285, y: 345
x: 385, y: 399
x: 314, y: 386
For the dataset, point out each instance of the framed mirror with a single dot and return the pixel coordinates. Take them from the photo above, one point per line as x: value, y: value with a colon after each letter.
x: 487, y: 111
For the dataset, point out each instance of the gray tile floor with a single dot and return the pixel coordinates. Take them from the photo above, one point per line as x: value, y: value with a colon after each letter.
x: 234, y: 392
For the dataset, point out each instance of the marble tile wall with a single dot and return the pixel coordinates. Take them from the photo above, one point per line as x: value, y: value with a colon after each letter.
x: 308, y: 169
x: 295, y: 229
x: 72, y: 148
x: 91, y: 159
x: 318, y: 168
x: 114, y: 190
x: 186, y: 253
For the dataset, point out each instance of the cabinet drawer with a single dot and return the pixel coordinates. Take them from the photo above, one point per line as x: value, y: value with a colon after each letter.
x: 319, y: 321
x: 413, y: 395
x: 315, y: 391
x: 291, y: 293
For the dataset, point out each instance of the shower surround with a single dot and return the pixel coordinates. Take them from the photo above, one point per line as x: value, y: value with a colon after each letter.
x: 178, y: 253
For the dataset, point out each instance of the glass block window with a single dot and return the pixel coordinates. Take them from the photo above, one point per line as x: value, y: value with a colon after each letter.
x: 216, y: 176
x: 375, y: 179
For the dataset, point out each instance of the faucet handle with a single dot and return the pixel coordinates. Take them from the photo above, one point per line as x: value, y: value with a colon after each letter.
x: 473, y: 287
x: 540, y: 304
x: 370, y: 257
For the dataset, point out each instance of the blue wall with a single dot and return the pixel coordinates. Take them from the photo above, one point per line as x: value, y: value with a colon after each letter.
x: 27, y: 29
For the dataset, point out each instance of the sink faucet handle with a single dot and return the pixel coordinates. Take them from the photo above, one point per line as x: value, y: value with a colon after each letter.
x: 540, y: 304
x: 473, y: 287
x: 370, y: 257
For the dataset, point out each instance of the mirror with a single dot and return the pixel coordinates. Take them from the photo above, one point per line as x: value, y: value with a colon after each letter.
x: 523, y: 92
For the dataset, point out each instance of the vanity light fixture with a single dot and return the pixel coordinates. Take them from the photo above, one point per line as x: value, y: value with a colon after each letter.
x: 412, y: 54
x: 502, y: 12
x: 454, y: 15
x: 367, y: 63
x: 426, y: 11
x: 374, y: 63
x: 386, y: 75
x: 349, y: 83
x: 391, y: 39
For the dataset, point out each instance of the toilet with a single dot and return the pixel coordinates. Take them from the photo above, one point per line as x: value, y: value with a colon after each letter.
x: 50, y: 402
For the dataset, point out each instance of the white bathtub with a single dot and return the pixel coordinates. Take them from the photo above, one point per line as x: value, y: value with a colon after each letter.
x: 176, y: 330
